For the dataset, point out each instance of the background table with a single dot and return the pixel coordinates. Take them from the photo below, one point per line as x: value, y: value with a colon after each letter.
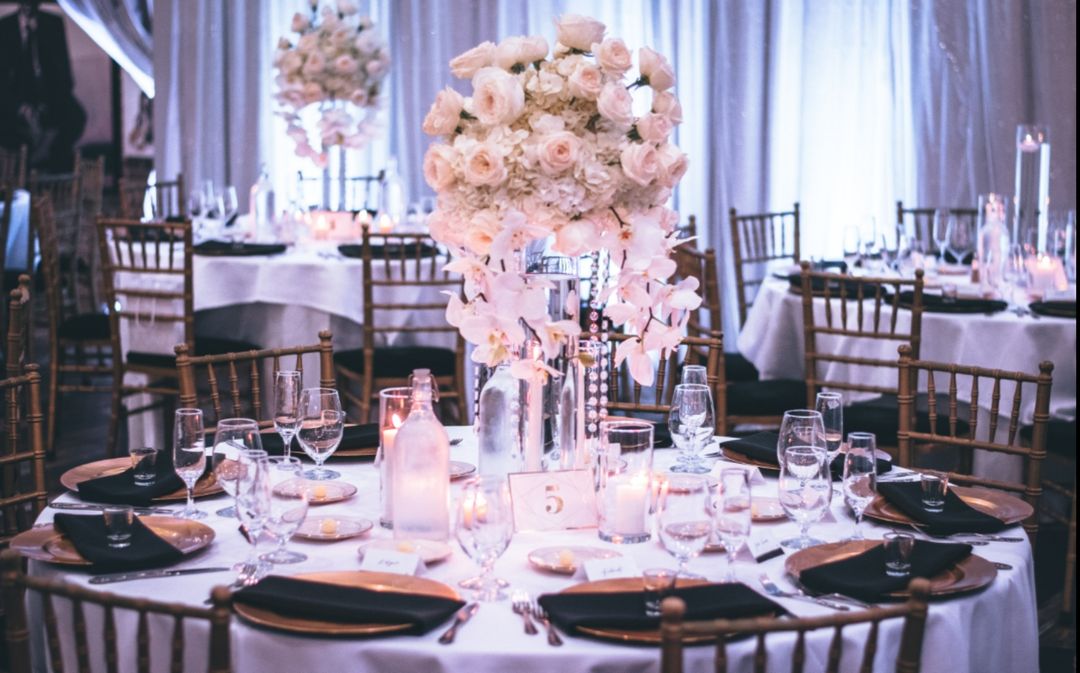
x: 995, y: 629
x: 18, y: 230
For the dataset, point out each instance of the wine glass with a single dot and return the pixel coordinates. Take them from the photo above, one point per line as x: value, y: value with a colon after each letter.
x: 286, y: 406
x: 942, y: 219
x: 484, y: 525
x: 831, y: 407
x: 805, y: 487
x: 233, y: 437
x: 860, y: 475
x: 961, y: 238
x: 684, y: 521
x: 321, y: 425
x: 227, y: 204
x: 691, y: 419
x: 1015, y: 275
x: 196, y: 203
x: 189, y: 455
x: 289, y: 496
x: 253, y: 509
x: 733, y: 514
x: 852, y: 246
x: 800, y: 427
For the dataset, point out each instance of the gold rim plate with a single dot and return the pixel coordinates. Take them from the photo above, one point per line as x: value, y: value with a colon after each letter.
x: 332, y: 528
x: 361, y: 579
x: 566, y: 560
x: 460, y: 469
x: 640, y: 636
x: 764, y: 510
x: 429, y: 551
x: 734, y: 456
x: 1000, y: 505
x: 319, y: 492
x: 45, y: 543
x: 204, y: 488
x: 970, y: 574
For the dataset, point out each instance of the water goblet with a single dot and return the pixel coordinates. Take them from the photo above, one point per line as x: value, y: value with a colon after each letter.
x: 289, y: 497
x: 321, y: 425
x: 800, y: 427
x: 860, y: 476
x: 189, y: 455
x: 831, y: 407
x: 684, y: 521
x: 805, y: 487
x: 232, y: 438
x: 287, y: 387
x: 691, y: 419
x: 253, y: 495
x: 484, y: 525
x: 733, y: 514
x: 940, y: 233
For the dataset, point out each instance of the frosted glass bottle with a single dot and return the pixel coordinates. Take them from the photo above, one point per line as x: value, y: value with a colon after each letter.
x: 420, y: 469
x: 498, y: 424
x: 261, y: 205
x: 993, y: 249
x: 394, y: 199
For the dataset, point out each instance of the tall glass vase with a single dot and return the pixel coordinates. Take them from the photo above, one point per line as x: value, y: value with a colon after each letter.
x: 1032, y: 197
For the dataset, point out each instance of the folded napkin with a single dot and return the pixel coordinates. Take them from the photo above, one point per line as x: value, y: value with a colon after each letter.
x: 352, y: 605
x: 934, y: 303
x: 837, y: 466
x: 87, y: 533
x: 230, y: 249
x: 850, y: 287
x: 1054, y: 309
x: 760, y: 446
x: 863, y: 576
x: 364, y: 436
x: 955, y: 517
x: 121, y: 489
x: 626, y: 609
x: 407, y: 250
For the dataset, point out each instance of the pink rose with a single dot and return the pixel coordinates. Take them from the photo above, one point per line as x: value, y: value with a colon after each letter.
x: 558, y: 152
x: 439, y: 167
x: 673, y: 165
x: 576, y: 237
x: 345, y: 64
x: 445, y: 113
x: 614, y: 104
x: 300, y: 23
x: 520, y: 50
x: 655, y: 68
x: 483, y: 165
x: 654, y: 128
x: 482, y: 229
x: 497, y: 96
x: 613, y: 56
x: 534, y: 48
x: 578, y: 32
x: 586, y: 82
x: 640, y: 163
x: 665, y: 103
x: 444, y: 229
x: 467, y: 64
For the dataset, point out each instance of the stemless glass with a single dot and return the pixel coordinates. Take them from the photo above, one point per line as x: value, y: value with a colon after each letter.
x: 860, y: 475
x: 831, y: 407
x: 733, y: 514
x: 189, y: 455
x: 289, y: 495
x: 287, y: 386
x: 691, y: 419
x: 233, y: 437
x: 800, y: 427
x: 684, y: 521
x: 484, y: 525
x: 253, y: 509
x: 321, y: 425
x: 805, y: 487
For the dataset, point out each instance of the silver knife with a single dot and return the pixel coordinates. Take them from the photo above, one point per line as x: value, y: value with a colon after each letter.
x: 463, y: 615
x: 85, y: 506
x: 148, y: 574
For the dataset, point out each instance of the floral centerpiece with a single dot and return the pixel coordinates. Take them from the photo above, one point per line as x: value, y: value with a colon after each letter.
x: 337, y: 61
x: 551, y: 148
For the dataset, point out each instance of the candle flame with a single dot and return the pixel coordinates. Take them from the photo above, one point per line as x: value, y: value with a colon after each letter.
x: 395, y: 421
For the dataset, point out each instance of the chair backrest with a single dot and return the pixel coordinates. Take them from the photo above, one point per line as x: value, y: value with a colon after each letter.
x: 914, y: 373
x: 854, y: 311
x: 22, y: 454
x: 244, y: 396
x: 919, y: 222
x: 756, y: 240
x: 146, y: 270
x: 361, y: 191
x: 913, y: 613
x: 85, y: 264
x: 693, y: 263
x: 687, y: 230
x: 57, y: 309
x: 121, y: 621
x: 18, y: 327
x: 63, y: 189
x: 169, y: 198
x: 13, y: 167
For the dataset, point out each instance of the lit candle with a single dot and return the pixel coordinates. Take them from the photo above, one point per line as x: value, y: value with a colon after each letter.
x: 1047, y: 274
x: 328, y: 526
x: 319, y: 492
x: 631, y: 503
x: 385, y: 225
x: 388, y: 435
x: 363, y: 218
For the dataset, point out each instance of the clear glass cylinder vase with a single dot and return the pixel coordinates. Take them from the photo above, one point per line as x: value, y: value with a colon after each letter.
x: 1032, y: 197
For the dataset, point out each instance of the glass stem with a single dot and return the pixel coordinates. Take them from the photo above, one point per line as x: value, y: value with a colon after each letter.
x: 190, y: 499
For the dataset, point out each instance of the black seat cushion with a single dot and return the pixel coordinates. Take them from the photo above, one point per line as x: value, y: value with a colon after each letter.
x: 738, y: 368
x: 85, y: 327
x: 765, y: 398
x: 1060, y: 437
x: 400, y: 361
x: 203, y: 346
x: 881, y: 416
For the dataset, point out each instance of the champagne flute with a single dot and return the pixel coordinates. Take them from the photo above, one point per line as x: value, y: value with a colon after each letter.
x: 228, y: 204
x: 691, y: 418
x: 321, y: 425
x: 684, y: 521
x: 733, y: 514
x: 800, y: 427
x: 286, y: 407
x: 805, y: 487
x: 189, y: 455
x: 289, y: 497
x: 233, y: 437
x: 253, y: 509
x: 831, y: 407
x: 860, y: 475
x: 484, y: 525
x: 942, y: 217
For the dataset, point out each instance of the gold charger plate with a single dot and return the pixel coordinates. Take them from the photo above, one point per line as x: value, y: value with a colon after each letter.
x: 319, y: 492
x: 1008, y: 508
x: 734, y: 456
x: 332, y: 528
x: 45, y: 543
x: 205, y: 487
x: 641, y: 636
x: 566, y: 560
x: 970, y: 574
x: 361, y: 579
x: 764, y: 510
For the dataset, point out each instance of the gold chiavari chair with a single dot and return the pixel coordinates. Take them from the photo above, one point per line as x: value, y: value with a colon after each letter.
x: 919, y: 222
x: 88, y: 291
x: 13, y: 167
x: 119, y: 621
x: 911, y: 374
x: 757, y: 240
x: 244, y: 395
x: 22, y: 458
x: 414, y: 261
x: 913, y: 612
x: 688, y: 230
x: 169, y: 198
x: 18, y: 328
x: 361, y: 191
x: 63, y: 190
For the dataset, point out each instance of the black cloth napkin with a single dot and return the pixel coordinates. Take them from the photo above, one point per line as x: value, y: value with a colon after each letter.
x: 364, y: 436
x: 626, y: 609
x: 351, y: 605
x: 87, y: 533
x: 837, y: 466
x: 407, y: 250
x: 935, y: 303
x: 760, y: 446
x: 121, y: 489
x: 955, y: 517
x: 850, y: 287
x: 1054, y: 309
x: 230, y: 249
x: 863, y: 576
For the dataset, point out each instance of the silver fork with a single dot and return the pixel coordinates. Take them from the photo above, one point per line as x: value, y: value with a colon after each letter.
x: 519, y: 603
x: 552, y: 635
x: 773, y: 590
x: 959, y: 537
x: 800, y: 589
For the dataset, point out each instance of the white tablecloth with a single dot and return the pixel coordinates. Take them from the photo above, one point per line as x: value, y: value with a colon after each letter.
x: 995, y: 629
x: 17, y: 231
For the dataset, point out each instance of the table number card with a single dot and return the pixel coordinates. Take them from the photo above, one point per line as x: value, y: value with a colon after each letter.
x: 559, y: 500
x: 390, y: 561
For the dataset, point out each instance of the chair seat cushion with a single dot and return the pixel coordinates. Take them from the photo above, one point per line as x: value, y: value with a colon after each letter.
x: 1060, y: 437
x: 765, y: 398
x: 881, y: 416
x: 738, y: 368
x: 203, y: 346
x: 85, y: 327
x: 399, y: 362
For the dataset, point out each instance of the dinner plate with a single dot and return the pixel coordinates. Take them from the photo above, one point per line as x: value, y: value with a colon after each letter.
x: 566, y: 560
x: 45, y: 543
x: 622, y: 635
x: 1000, y: 505
x: 319, y: 492
x: 970, y: 574
x: 460, y: 469
x: 205, y: 487
x: 332, y: 528
x: 361, y: 579
x: 429, y: 551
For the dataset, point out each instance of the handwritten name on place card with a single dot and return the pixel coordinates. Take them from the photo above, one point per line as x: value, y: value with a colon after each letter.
x: 390, y: 561
x: 610, y: 568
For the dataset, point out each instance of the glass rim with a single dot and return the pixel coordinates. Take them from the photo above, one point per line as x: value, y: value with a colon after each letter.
x: 189, y: 411
x: 802, y: 413
x: 830, y: 395
x: 395, y: 392
x: 805, y: 448
x: 861, y: 434
x: 691, y: 386
x: 291, y: 373
x: 321, y: 390
x: 238, y: 422
x: 627, y: 424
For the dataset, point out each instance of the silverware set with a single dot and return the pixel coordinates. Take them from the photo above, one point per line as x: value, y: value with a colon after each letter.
x: 92, y: 507
x: 520, y: 604
x: 150, y: 574
x: 976, y: 539
x: 773, y: 590
x: 463, y: 615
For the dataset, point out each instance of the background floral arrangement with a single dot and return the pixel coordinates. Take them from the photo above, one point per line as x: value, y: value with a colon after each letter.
x: 551, y: 149
x: 338, y: 59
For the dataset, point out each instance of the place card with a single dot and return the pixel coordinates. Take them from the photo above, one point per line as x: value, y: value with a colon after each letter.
x: 764, y: 548
x: 390, y: 561
x: 560, y: 500
x: 611, y: 568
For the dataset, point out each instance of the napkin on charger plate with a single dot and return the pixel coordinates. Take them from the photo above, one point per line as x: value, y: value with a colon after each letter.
x: 121, y: 488
x: 955, y: 517
x: 88, y: 534
x: 364, y: 436
x: 238, y: 249
x: 761, y: 447
x: 934, y: 303
x: 1054, y: 309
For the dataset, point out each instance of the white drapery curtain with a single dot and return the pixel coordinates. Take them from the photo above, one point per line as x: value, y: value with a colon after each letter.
x: 117, y: 27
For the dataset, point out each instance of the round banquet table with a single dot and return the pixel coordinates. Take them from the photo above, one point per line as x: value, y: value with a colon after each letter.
x: 995, y: 629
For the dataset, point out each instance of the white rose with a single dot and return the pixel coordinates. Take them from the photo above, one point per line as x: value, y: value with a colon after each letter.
x: 665, y: 103
x: 467, y: 64
x: 586, y: 82
x: 575, y: 237
x: 482, y: 229
x: 300, y: 23
x: 673, y: 165
x: 640, y: 163
x: 534, y: 48
x: 443, y: 228
x: 444, y: 114
x: 655, y: 68
x: 483, y: 165
x: 578, y: 32
x: 558, y: 152
x: 545, y: 84
x: 519, y: 50
x: 346, y: 7
x: 439, y: 167
x: 654, y: 128
x: 613, y: 56
x: 497, y: 96
x: 614, y: 104
x: 345, y: 64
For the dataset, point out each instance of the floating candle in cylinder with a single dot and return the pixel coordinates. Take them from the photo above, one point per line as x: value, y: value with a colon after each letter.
x: 393, y: 409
